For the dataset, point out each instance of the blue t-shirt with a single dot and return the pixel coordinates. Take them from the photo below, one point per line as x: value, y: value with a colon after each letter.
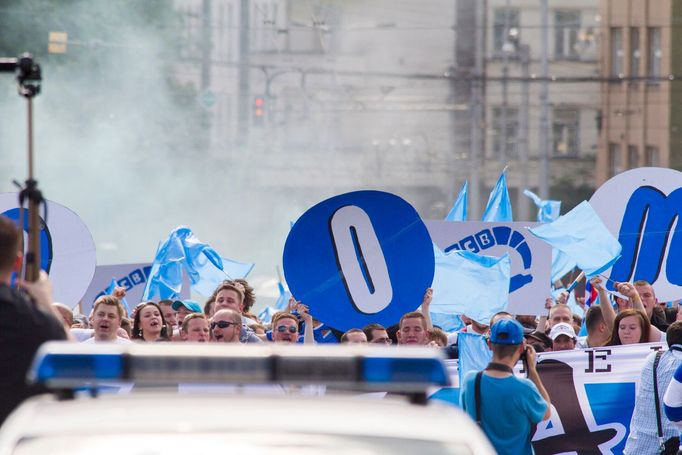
x: 323, y: 334
x: 509, y: 407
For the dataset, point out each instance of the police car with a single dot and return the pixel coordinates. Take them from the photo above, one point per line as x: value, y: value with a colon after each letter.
x: 206, y: 399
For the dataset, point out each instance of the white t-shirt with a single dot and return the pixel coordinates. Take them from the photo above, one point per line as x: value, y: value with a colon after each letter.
x: 118, y: 340
x: 81, y: 334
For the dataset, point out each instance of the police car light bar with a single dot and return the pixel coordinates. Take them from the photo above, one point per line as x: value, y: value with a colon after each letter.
x: 64, y: 365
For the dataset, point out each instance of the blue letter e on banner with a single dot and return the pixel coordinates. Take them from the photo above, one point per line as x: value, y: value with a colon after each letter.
x: 359, y: 258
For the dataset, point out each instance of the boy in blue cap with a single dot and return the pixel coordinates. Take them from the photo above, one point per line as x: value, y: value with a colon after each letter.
x: 183, y: 308
x: 504, y: 405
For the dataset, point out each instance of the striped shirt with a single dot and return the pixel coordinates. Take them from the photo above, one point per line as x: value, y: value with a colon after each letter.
x: 643, y: 438
x: 672, y: 401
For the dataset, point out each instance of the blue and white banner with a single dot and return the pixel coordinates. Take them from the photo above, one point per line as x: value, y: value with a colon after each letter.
x: 133, y: 277
x: 592, y: 392
x: 641, y: 207
x: 531, y: 258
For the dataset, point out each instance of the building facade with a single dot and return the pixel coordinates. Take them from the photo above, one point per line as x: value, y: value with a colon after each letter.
x: 642, y: 123
x: 517, y: 109
x: 329, y: 96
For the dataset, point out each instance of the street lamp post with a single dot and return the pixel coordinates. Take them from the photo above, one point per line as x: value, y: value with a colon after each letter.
x: 513, y: 47
x: 543, y: 148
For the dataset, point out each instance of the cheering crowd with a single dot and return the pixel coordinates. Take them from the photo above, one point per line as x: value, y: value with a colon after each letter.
x: 30, y: 317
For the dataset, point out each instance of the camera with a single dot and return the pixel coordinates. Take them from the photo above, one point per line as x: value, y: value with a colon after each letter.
x: 524, y: 359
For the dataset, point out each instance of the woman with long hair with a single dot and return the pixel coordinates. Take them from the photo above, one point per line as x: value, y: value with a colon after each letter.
x: 630, y: 327
x: 149, y: 323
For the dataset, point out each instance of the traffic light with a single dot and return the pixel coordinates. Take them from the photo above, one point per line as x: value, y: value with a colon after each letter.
x: 259, y: 111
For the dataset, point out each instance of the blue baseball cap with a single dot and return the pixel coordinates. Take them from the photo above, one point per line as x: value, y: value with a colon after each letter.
x: 506, y: 331
x: 191, y: 305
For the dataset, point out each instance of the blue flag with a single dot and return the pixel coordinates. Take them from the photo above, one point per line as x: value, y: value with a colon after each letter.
x: 459, y: 209
x: 447, y: 322
x: 470, y: 284
x: 571, y: 301
x: 548, y: 211
x: 283, y: 299
x: 499, y: 206
x: 165, y: 276
x: 266, y: 314
x: 205, y: 268
x: 474, y: 353
x: 110, y: 291
x: 561, y: 265
x: 582, y: 236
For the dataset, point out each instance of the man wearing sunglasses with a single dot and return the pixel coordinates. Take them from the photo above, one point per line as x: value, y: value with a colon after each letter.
x: 226, y: 326
x: 285, y: 326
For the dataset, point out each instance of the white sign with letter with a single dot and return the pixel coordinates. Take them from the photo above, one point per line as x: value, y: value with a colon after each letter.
x: 531, y: 257
x: 642, y: 209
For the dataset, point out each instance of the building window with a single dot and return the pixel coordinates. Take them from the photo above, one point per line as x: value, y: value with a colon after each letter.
x: 565, y: 131
x: 633, y: 157
x: 614, y: 159
x: 504, y: 20
x: 617, y: 52
x: 654, y: 52
x: 652, y: 158
x: 512, y: 130
x: 635, y: 53
x: 566, y: 28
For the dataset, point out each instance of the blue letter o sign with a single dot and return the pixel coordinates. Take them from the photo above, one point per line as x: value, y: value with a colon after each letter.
x: 358, y: 258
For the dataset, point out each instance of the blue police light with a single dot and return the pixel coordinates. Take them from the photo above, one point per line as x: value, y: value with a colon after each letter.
x: 56, y: 368
x: 71, y: 365
x: 63, y: 364
x: 405, y: 371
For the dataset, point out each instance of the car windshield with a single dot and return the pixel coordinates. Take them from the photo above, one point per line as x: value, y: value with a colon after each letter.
x: 254, y: 443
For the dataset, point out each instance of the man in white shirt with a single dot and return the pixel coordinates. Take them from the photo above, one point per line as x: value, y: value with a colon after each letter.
x: 106, y: 321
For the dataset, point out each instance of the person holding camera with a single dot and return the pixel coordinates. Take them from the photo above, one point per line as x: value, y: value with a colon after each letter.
x: 27, y: 319
x: 505, y: 406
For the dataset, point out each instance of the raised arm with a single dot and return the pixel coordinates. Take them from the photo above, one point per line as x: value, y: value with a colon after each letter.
x: 308, y: 335
x: 629, y: 291
x: 425, y: 308
x: 535, y: 378
x: 607, y: 311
